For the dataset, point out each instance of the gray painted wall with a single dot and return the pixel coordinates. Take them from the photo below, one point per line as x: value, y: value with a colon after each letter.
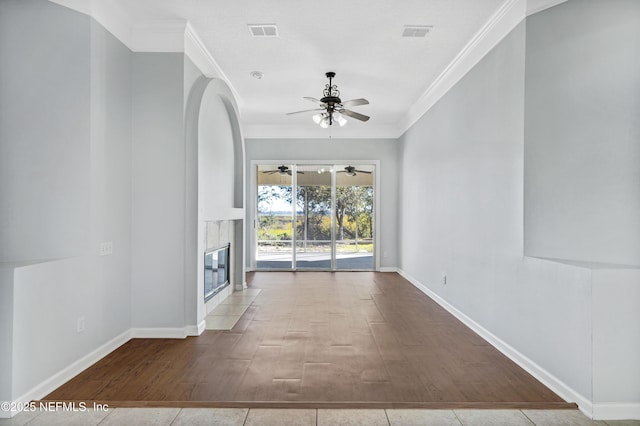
x: 582, y: 171
x: 461, y: 215
x: 193, y: 83
x: 616, y: 337
x: 66, y: 185
x: 385, y: 150
x: 183, y: 172
x: 6, y: 332
x: 73, y: 102
x: 582, y: 132
x: 44, y: 129
x: 158, y: 238
x: 111, y: 192
x: 545, y: 165
x: 455, y: 205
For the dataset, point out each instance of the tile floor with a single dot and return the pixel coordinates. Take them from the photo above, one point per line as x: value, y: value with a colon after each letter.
x: 226, y: 314
x: 302, y: 417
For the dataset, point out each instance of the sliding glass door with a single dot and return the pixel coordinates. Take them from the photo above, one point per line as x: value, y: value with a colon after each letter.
x: 354, y: 217
x: 274, y: 217
x: 314, y: 243
x: 325, y: 211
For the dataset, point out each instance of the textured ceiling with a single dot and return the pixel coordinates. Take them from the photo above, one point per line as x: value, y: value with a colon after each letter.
x: 359, y: 40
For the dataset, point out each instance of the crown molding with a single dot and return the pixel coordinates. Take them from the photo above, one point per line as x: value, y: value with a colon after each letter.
x: 152, y: 36
x: 179, y: 36
x: 195, y: 49
x: 158, y: 36
x: 510, y: 14
x: 499, y: 25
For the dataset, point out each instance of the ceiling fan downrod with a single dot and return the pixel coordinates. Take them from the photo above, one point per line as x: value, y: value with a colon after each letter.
x: 331, y: 96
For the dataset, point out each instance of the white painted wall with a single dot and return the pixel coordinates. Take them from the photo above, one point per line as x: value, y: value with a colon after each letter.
x: 461, y: 209
x: 384, y: 150
x: 582, y: 133
x: 215, y: 156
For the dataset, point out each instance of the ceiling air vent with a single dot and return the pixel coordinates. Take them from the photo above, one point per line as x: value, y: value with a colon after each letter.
x: 416, y: 30
x: 263, y: 30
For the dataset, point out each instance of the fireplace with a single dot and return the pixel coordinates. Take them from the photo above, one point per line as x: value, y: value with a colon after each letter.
x: 216, y: 270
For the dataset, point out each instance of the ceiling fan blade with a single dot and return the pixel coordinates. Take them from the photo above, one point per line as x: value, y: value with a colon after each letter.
x: 300, y: 173
x: 270, y: 172
x: 362, y: 171
x: 355, y: 115
x: 306, y: 110
x: 318, y: 101
x: 355, y: 102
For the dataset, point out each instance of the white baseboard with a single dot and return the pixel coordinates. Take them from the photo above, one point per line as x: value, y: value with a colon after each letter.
x: 195, y: 330
x: 389, y: 269
x: 201, y: 327
x: 548, y: 379
x: 616, y: 411
x: 159, y: 333
x: 66, y: 374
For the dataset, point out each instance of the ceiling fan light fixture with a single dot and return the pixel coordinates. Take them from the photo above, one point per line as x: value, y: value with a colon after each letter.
x: 332, y: 107
x: 338, y: 118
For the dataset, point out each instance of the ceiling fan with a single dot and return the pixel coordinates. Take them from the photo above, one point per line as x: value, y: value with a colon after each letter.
x: 351, y: 171
x: 282, y: 170
x: 332, y: 107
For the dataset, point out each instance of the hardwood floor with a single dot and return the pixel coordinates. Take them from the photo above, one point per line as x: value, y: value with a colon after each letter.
x: 357, y: 339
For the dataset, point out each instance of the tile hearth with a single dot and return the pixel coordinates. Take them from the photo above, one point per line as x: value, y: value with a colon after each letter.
x: 226, y: 314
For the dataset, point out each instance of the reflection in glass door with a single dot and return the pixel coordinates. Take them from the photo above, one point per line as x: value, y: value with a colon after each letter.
x: 325, y: 211
x: 314, y: 249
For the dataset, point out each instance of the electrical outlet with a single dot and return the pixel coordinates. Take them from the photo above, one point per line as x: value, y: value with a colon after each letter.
x: 80, y: 325
x: 444, y: 279
x: 106, y: 248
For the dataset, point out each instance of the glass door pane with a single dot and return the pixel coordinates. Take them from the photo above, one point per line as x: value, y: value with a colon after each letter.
x: 354, y: 222
x: 275, y: 217
x: 314, y: 249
